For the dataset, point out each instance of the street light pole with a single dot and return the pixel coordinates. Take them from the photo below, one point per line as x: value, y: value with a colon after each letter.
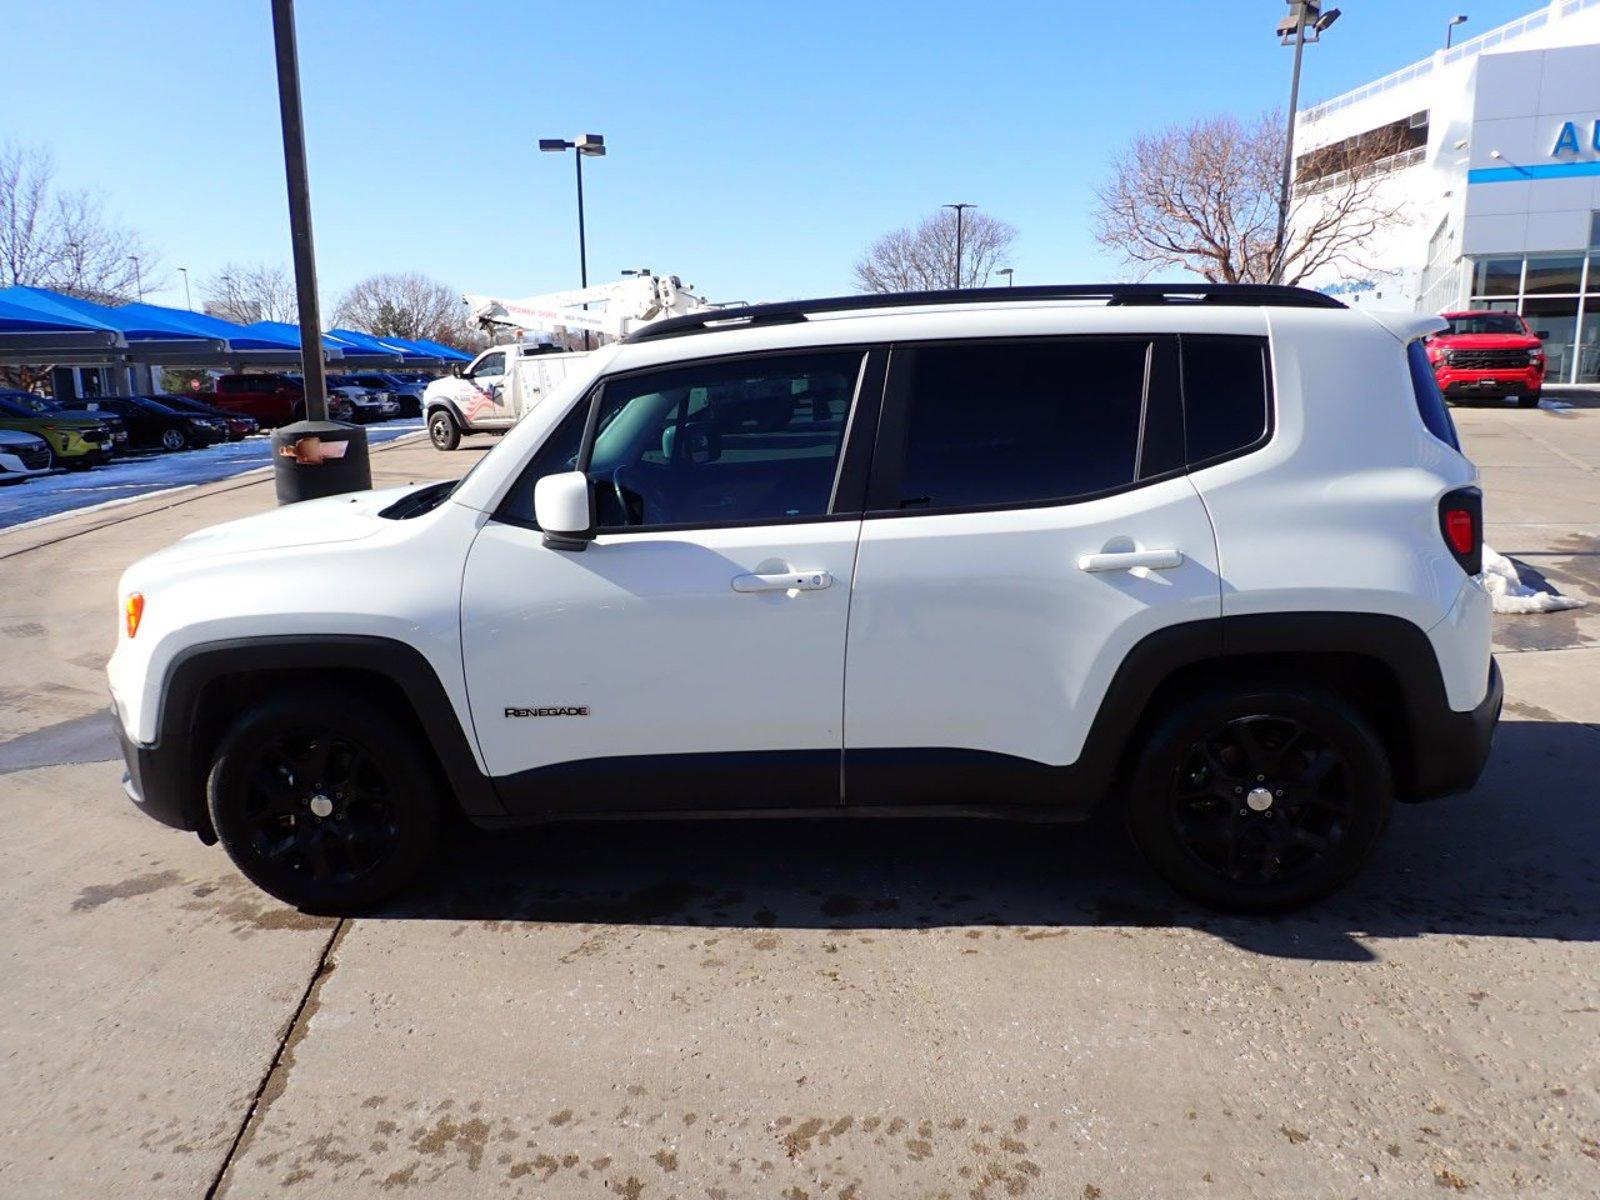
x: 1450, y: 27
x: 586, y: 144
x: 188, y: 301
x: 1303, y: 14
x: 138, y: 279
x: 1011, y: 276
x: 960, y: 208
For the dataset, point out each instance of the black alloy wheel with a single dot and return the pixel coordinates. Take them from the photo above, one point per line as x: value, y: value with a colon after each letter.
x: 1260, y: 800
x: 323, y: 800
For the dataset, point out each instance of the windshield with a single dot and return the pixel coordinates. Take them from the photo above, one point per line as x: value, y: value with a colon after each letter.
x: 1486, y: 323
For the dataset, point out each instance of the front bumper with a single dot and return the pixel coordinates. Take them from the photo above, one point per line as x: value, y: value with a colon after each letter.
x: 1449, y: 748
x: 159, y: 779
x: 1501, y: 382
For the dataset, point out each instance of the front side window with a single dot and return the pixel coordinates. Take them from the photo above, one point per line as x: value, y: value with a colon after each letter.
x: 721, y: 442
x: 1021, y: 423
x: 493, y: 364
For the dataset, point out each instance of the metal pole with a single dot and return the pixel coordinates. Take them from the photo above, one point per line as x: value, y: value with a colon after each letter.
x: 1288, y: 157
x: 138, y: 277
x: 583, y: 250
x: 188, y: 301
x: 958, y: 247
x: 294, y: 161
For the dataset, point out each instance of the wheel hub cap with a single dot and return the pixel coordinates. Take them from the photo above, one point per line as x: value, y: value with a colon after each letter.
x: 321, y: 806
x: 1259, y: 799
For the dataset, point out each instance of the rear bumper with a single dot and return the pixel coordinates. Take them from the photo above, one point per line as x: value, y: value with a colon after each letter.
x: 1449, y: 748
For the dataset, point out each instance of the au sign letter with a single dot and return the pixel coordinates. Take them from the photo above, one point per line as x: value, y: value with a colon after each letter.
x: 1567, y: 139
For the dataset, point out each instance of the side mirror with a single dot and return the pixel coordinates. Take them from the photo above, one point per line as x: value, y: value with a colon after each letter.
x: 455, y: 370
x: 1542, y: 334
x: 561, y: 507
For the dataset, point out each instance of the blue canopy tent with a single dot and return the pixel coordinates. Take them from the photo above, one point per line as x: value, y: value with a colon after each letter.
x: 361, y: 349
x: 150, y: 335
x: 399, y: 352
x: 34, y: 329
x: 447, y: 353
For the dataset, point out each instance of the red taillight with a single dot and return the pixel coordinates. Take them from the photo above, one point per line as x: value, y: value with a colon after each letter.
x: 1461, y: 523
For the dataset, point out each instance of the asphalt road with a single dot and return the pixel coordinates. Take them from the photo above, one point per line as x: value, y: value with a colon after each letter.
x: 768, y: 1009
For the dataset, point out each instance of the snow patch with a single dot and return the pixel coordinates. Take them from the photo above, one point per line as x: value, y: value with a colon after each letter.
x: 1508, y: 594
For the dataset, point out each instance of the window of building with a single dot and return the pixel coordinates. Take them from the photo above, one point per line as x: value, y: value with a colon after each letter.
x: 1594, y: 230
x: 1497, y: 277
x: 1018, y: 424
x: 1372, y: 148
x: 1558, y: 276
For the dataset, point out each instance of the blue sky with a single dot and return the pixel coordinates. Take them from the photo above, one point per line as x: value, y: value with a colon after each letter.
x: 756, y: 147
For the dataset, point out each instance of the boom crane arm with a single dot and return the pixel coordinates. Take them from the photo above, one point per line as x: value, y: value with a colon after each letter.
x: 622, y: 306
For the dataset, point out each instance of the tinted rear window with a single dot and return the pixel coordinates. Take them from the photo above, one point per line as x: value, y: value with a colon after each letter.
x: 1430, y: 400
x: 1018, y: 424
x: 1224, y: 395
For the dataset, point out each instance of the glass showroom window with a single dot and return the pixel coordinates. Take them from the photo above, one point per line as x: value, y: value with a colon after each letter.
x: 1559, y: 294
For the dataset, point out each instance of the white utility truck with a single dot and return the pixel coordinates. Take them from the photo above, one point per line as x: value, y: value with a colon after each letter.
x: 506, y: 382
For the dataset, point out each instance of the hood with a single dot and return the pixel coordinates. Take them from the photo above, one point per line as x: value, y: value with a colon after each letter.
x: 311, y: 522
x: 17, y: 439
x: 1486, y: 341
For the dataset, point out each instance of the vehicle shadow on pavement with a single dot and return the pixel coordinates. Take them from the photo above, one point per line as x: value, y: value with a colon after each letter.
x: 1518, y: 857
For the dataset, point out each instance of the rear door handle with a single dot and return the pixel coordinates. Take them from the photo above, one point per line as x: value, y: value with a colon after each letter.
x: 1127, y: 560
x: 797, y: 581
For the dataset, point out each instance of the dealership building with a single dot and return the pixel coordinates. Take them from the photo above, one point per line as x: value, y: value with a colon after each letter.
x: 1492, y: 148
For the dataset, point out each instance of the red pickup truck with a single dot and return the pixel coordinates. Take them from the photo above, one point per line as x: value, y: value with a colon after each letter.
x: 1488, y: 354
x: 271, y: 399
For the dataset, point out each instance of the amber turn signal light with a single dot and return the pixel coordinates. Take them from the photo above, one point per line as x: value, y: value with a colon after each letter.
x: 134, y: 612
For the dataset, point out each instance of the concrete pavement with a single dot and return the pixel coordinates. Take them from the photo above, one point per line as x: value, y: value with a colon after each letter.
x: 850, y: 1009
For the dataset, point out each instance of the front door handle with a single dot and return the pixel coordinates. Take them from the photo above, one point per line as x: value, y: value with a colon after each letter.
x: 1128, y: 560
x: 788, y: 581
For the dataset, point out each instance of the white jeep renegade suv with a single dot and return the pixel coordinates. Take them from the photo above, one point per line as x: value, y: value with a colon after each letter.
x: 1201, y: 553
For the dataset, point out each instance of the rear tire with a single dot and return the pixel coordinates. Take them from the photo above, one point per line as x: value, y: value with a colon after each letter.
x: 1529, y: 399
x: 321, y: 800
x: 1261, y: 798
x: 443, y: 430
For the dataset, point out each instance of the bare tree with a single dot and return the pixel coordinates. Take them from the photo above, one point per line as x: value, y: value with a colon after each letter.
x: 247, y: 293
x: 409, y: 306
x: 1204, y: 198
x: 61, y: 238
x: 924, y: 259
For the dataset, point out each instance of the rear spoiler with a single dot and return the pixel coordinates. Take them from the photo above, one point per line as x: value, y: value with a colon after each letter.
x: 1408, y: 326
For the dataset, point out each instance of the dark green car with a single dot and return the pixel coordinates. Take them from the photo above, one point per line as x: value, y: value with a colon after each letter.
x: 76, y: 439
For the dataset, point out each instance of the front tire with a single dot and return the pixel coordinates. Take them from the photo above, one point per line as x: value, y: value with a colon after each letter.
x: 443, y: 430
x: 174, y: 439
x: 1260, y: 799
x: 322, y: 801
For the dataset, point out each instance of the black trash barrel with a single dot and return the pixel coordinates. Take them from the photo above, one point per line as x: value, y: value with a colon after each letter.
x: 319, y: 458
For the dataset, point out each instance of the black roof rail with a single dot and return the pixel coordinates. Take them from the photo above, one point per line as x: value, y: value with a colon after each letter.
x: 791, y: 311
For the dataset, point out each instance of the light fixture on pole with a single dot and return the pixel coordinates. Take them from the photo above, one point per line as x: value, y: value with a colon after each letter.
x: 587, y: 145
x: 1305, y: 23
x: 138, y: 280
x: 1011, y: 276
x: 1450, y: 27
x: 188, y: 302
x: 960, y: 208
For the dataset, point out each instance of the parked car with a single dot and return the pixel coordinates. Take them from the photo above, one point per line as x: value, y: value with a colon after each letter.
x: 23, y: 455
x: 271, y: 399
x: 407, y: 392
x: 74, y: 408
x: 153, y: 426
x: 372, y: 402
x: 75, y: 439
x: 1488, y: 354
x: 1202, y: 553
x: 238, y: 425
